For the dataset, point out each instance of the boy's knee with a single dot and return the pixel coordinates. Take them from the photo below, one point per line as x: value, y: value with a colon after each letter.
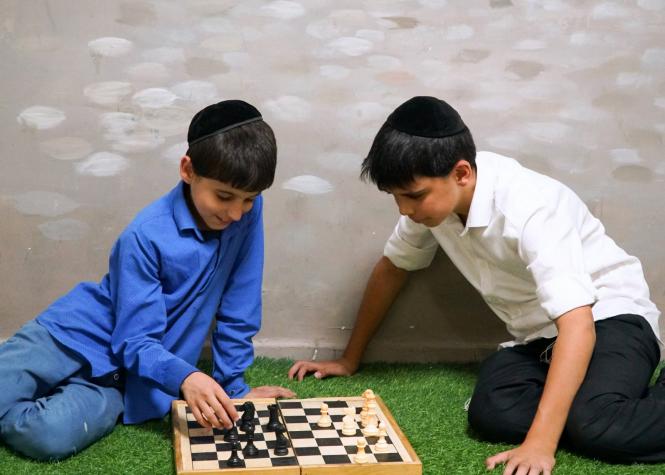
x: 38, y: 441
x: 493, y: 424
x: 594, y: 432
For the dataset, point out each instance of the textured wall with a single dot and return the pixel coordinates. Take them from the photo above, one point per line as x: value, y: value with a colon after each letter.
x: 97, y: 96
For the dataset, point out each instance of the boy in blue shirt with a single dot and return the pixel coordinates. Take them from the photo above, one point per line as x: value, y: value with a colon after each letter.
x: 586, y: 336
x: 129, y: 344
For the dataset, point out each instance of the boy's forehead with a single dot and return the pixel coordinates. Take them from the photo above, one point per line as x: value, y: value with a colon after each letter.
x: 228, y: 188
x: 418, y: 183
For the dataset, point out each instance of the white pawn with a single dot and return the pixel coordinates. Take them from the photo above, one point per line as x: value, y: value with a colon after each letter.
x: 371, y: 430
x: 361, y: 456
x: 381, y: 445
x: 324, y: 420
x: 349, y: 422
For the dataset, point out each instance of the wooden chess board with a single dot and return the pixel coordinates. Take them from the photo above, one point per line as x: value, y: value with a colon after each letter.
x: 312, y: 450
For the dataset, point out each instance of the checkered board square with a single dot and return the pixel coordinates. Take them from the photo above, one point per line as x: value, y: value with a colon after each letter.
x: 312, y: 450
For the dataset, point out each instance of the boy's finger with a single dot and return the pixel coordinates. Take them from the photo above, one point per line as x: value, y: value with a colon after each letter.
x: 295, y: 368
x: 199, y: 418
x: 302, y: 372
x: 230, y: 410
x: 219, y: 413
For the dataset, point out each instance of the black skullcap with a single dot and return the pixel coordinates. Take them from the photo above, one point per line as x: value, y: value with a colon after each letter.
x: 218, y: 118
x: 426, y: 116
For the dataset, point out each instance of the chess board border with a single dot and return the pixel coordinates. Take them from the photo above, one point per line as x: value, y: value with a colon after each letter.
x: 182, y: 453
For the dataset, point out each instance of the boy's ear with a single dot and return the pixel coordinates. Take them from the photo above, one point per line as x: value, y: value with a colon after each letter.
x: 186, y: 169
x: 463, y: 172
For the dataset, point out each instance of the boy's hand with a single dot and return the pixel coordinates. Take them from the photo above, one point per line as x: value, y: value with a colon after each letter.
x: 269, y: 392
x: 322, y: 369
x: 208, y: 401
x: 525, y: 459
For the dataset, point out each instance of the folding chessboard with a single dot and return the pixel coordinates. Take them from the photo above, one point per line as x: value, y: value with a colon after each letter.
x: 312, y: 450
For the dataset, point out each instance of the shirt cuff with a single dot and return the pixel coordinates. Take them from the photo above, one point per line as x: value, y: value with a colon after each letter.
x: 408, y: 257
x: 564, y: 293
x: 175, y: 374
x: 236, y: 388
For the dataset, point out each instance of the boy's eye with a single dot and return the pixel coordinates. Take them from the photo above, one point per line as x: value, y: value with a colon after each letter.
x: 224, y: 197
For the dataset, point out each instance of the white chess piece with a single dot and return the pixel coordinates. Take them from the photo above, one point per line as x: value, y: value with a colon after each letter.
x: 371, y: 401
x: 381, y: 445
x: 363, y: 414
x: 361, y: 456
x: 371, y: 430
x: 349, y: 422
x: 324, y: 420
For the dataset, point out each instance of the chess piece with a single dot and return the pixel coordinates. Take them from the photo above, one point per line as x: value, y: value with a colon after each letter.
x: 250, y: 449
x: 231, y: 435
x: 381, y: 445
x: 273, y: 421
x: 247, y: 415
x: 234, y: 460
x: 371, y: 430
x: 361, y: 456
x: 363, y: 413
x: 371, y: 400
x: 324, y: 420
x: 281, y: 443
x: 349, y: 422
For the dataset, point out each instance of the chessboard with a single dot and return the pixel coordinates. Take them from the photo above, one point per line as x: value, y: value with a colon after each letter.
x: 311, y: 450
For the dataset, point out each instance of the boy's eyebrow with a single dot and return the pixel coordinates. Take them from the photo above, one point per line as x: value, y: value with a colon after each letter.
x: 228, y: 192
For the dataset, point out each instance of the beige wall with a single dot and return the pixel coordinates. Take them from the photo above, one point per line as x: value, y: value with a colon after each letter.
x: 577, y: 92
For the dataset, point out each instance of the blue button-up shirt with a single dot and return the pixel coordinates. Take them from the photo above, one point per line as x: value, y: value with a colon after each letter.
x: 152, y: 312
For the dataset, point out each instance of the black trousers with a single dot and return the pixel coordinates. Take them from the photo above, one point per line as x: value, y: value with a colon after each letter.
x: 615, y: 416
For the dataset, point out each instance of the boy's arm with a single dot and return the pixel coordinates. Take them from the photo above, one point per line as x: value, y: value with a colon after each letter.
x: 383, y: 286
x: 570, y: 360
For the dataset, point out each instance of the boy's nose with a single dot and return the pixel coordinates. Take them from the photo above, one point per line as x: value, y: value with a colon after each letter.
x: 235, y: 212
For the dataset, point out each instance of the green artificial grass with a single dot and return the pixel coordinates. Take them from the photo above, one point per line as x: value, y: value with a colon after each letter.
x: 427, y: 400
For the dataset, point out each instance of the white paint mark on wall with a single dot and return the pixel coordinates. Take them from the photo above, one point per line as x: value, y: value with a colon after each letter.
x: 110, y: 46
x: 225, y: 42
x: 289, y: 108
x: 548, y: 131
x: 609, y: 10
x: 651, y: 5
x: 659, y: 102
x: 508, y: 141
x: 583, y: 112
x: 66, y: 148
x: 44, y: 203
x: 103, y: 164
x: 459, y: 32
x: 625, y: 156
x: 169, y: 121
x: 529, y: 45
x: 323, y: 29
x: 334, y: 71
x: 582, y: 38
x: 216, y: 25
x: 41, y: 117
x: 654, y: 58
x: 175, y: 152
x: 632, y: 79
x: 137, y: 142
x: 371, y: 35
x: 154, y: 97
x: 350, y: 46
x: 198, y: 92
x: 384, y: 62
x: 164, y: 55
x: 117, y: 124
x: 308, y: 184
x: 283, y: 9
x: 149, y: 72
x: 364, y: 111
x: 433, y: 3
x: 64, y: 229
x: 107, y: 93
x: 492, y: 104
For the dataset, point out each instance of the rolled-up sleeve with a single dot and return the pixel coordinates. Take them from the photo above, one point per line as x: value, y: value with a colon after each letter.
x: 239, y: 315
x: 411, y: 245
x: 551, y: 247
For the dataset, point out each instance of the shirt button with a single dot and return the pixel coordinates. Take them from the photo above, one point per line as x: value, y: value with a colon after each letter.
x: 116, y: 377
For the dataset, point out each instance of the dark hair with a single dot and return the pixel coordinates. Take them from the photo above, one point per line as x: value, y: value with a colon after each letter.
x: 397, y: 158
x: 244, y: 157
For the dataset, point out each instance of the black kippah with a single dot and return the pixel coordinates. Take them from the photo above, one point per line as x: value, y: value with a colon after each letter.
x: 426, y: 116
x: 218, y: 118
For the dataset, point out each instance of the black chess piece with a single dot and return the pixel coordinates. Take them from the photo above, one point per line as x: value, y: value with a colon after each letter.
x: 281, y: 443
x: 250, y: 449
x: 234, y: 460
x: 248, y: 411
x: 231, y: 435
x: 273, y: 421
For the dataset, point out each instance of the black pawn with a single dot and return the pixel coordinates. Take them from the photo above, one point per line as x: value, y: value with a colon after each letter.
x: 234, y: 460
x: 281, y: 443
x: 247, y: 415
x: 250, y: 449
x: 231, y: 435
x: 273, y: 421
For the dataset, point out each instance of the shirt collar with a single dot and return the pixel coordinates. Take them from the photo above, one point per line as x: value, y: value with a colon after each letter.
x: 183, y: 217
x: 482, y: 203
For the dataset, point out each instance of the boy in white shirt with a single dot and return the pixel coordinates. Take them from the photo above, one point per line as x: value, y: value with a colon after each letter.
x: 585, y: 331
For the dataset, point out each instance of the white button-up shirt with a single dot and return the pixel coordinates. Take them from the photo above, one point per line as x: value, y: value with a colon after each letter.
x: 532, y: 249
